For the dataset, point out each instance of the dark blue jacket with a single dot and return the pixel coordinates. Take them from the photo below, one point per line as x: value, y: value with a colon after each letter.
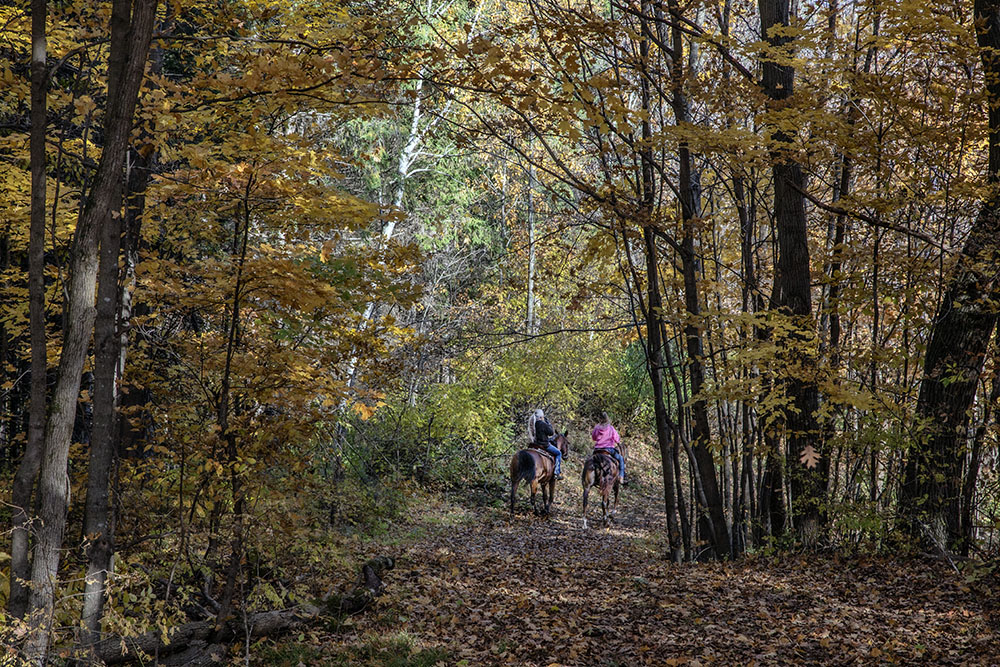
x: 543, y: 431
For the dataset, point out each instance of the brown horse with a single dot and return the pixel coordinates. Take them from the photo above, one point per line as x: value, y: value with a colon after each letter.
x: 600, y: 470
x: 537, y: 468
x: 562, y: 443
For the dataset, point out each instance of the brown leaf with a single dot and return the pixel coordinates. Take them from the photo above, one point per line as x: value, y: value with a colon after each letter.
x: 809, y: 457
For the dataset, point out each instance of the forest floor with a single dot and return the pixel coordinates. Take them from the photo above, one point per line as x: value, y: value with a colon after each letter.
x: 474, y: 588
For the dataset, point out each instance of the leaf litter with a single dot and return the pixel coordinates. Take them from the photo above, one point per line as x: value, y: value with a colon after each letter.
x: 545, y: 591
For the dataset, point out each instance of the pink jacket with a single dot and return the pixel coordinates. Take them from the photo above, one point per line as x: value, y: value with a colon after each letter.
x: 605, y: 436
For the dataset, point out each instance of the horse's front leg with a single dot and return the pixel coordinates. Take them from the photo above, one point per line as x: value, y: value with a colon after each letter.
x: 552, y: 495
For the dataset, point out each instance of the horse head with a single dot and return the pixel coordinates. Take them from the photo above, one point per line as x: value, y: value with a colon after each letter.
x: 562, y: 442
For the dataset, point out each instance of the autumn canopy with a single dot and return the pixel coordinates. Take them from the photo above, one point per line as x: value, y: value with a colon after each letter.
x: 281, y: 279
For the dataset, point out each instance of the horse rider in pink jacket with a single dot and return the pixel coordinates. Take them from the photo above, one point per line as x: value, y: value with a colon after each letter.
x: 605, y: 437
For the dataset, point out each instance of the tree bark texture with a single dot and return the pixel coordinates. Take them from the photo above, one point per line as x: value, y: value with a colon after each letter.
x: 975, y: 459
x: 131, y: 31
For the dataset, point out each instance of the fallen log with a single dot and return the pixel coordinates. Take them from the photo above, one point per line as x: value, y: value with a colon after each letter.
x: 202, y: 643
x: 364, y: 592
x: 183, y: 638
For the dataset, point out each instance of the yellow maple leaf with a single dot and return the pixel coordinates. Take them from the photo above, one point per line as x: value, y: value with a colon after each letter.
x: 364, y: 411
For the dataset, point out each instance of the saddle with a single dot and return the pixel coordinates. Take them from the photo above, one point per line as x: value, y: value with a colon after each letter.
x: 603, y: 460
x: 542, y: 452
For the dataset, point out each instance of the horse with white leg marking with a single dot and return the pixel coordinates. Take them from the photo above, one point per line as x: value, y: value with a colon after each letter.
x: 600, y: 470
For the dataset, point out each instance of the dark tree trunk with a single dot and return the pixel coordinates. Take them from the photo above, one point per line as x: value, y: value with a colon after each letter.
x: 654, y: 315
x: 130, y: 38
x: 963, y: 325
x: 97, y: 529
x: 952, y: 365
x: 975, y: 459
x: 98, y: 525
x: 808, y: 486
x: 654, y: 362
x: 225, y: 409
x: 772, y: 491
x: 27, y: 471
x: 712, y: 516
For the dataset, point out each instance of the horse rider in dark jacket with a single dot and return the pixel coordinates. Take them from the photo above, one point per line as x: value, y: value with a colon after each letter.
x: 544, y: 435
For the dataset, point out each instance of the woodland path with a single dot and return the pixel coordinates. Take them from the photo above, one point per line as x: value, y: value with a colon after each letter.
x: 544, y: 591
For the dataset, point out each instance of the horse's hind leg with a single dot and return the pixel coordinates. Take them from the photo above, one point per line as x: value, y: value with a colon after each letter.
x: 552, y: 495
x: 604, y: 506
x: 514, y: 482
x: 534, y: 492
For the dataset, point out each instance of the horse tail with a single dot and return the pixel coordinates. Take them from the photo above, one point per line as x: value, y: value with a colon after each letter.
x: 525, y: 466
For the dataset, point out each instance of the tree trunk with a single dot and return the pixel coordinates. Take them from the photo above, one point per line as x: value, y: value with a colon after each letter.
x: 225, y: 408
x: 654, y: 309
x: 808, y: 486
x: 975, y: 458
x: 130, y: 37
x: 713, y: 516
x: 654, y: 364
x: 98, y: 528
x: 27, y: 471
x: 97, y: 533
x: 930, y: 498
x: 530, y: 318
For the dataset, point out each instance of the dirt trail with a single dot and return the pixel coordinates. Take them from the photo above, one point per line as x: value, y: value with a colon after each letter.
x: 542, y: 591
